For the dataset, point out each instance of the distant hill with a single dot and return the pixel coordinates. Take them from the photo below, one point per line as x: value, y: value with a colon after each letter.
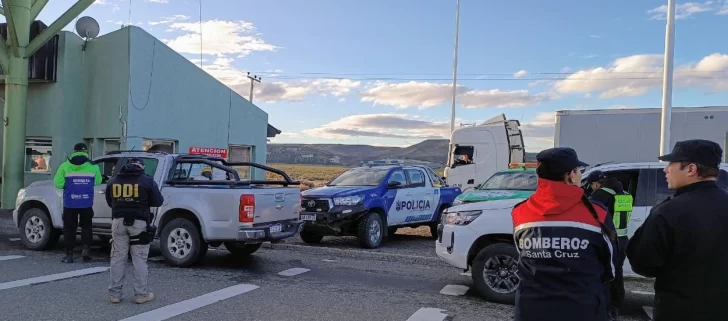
x: 431, y: 152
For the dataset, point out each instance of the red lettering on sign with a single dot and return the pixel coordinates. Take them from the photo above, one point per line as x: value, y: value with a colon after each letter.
x: 209, y: 151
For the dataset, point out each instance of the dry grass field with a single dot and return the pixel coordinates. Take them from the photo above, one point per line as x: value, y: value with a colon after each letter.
x: 312, y: 175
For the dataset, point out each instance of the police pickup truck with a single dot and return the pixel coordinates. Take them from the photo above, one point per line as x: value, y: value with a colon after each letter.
x: 371, y: 202
x: 479, y: 236
x: 198, y: 211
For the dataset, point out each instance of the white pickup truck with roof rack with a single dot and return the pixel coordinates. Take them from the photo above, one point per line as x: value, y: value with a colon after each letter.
x: 198, y: 211
x: 478, y: 237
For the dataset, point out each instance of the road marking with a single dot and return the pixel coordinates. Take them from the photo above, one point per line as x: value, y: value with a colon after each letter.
x: 52, y: 277
x: 185, y: 306
x: 293, y: 271
x: 327, y: 260
x: 452, y: 289
x: 468, y: 274
x: 10, y: 257
x: 642, y: 292
x: 428, y: 314
x: 649, y: 311
x: 15, y: 239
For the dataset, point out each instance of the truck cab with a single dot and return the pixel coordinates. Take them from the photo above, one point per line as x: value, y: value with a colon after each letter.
x: 477, y: 152
x: 371, y: 202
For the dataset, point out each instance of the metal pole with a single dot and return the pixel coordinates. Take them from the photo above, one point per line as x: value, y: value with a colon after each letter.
x: 454, y: 78
x: 725, y: 148
x: 667, y: 79
x: 253, y: 80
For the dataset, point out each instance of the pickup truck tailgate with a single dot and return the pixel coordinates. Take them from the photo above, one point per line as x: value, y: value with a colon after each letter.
x: 276, y: 204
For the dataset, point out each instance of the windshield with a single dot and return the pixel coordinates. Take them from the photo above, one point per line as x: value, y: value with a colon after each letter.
x: 360, y: 177
x: 522, y: 181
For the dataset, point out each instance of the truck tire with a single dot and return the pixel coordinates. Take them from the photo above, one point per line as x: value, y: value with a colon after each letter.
x: 242, y: 249
x: 438, y: 217
x: 36, y: 230
x: 370, y: 231
x: 310, y: 237
x: 181, y: 243
x: 501, y: 281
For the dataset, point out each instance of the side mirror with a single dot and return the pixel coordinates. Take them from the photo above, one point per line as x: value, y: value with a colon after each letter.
x: 394, y: 184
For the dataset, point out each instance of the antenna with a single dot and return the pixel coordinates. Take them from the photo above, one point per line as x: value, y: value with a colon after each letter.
x: 253, y: 80
x: 87, y: 28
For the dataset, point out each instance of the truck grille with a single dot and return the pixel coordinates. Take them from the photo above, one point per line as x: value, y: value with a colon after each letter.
x: 315, y: 205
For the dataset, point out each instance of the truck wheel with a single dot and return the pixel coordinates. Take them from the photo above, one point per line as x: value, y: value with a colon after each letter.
x: 494, y: 273
x: 370, y: 231
x: 181, y: 243
x: 242, y: 249
x: 36, y: 230
x: 433, y: 225
x: 311, y: 238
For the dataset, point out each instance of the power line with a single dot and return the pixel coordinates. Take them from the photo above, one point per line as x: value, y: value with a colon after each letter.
x: 273, y: 73
x: 491, y: 79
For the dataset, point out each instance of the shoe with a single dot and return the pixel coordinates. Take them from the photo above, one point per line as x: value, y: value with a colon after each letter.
x: 85, y: 254
x: 144, y: 299
x: 114, y: 300
x: 68, y: 258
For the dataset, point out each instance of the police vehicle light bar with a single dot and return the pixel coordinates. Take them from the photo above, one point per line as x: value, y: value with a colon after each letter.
x: 522, y: 165
x: 382, y: 162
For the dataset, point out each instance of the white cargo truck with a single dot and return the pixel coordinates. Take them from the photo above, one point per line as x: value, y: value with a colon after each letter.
x: 479, y: 151
x: 633, y: 135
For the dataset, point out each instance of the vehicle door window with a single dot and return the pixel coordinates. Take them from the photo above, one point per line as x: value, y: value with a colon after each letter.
x: 150, y: 165
x: 435, y: 179
x: 417, y: 178
x: 723, y: 180
x: 397, y: 176
x: 463, y: 155
x: 646, y: 187
x: 661, y: 190
x: 628, y: 179
x: 107, y: 167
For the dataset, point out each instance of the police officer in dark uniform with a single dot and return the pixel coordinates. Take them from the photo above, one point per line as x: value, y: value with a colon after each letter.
x: 565, y: 245
x: 130, y: 194
x: 682, y: 244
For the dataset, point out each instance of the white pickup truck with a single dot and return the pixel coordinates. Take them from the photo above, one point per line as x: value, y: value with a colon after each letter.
x: 479, y: 236
x: 198, y: 211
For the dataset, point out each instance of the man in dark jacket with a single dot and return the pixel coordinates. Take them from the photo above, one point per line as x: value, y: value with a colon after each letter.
x: 608, y: 192
x: 682, y: 241
x: 130, y: 194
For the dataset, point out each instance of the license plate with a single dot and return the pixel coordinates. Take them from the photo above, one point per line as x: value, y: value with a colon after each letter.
x: 275, y: 228
x: 308, y: 217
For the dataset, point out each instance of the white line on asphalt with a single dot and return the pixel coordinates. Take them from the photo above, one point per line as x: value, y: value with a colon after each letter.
x: 468, y: 274
x: 649, y: 311
x: 428, y: 314
x: 293, y: 271
x: 327, y: 260
x: 15, y: 239
x: 452, y: 289
x: 185, y: 306
x: 52, y: 277
x: 642, y: 292
x: 10, y: 257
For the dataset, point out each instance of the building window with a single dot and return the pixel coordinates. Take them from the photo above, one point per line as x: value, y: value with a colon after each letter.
x: 167, y: 146
x: 38, y: 154
x: 111, y: 145
x: 240, y: 153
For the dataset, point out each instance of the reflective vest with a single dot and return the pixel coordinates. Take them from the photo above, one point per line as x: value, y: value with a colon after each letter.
x: 622, y: 210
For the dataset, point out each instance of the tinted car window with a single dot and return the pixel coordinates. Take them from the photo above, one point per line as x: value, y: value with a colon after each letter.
x: 662, y: 192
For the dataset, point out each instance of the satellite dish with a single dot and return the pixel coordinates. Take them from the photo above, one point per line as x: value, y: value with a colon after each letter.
x: 87, y: 27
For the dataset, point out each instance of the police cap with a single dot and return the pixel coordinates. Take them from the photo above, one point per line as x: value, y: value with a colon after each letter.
x: 80, y: 147
x: 560, y: 159
x: 595, y: 176
x: 698, y: 151
x: 136, y: 162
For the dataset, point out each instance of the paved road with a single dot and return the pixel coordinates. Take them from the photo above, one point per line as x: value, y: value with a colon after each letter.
x: 273, y: 284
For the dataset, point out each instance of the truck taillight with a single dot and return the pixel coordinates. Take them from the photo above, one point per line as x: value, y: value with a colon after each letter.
x: 247, y: 208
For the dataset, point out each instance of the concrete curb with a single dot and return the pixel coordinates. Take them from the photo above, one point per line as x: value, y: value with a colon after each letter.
x: 360, y: 254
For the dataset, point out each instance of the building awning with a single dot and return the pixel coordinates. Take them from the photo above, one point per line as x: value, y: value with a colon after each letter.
x: 272, y: 131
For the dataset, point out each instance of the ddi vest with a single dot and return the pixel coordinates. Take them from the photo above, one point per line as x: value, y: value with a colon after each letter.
x: 130, y: 197
x: 622, y: 211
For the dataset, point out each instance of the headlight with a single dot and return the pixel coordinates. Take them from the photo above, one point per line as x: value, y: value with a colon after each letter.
x: 457, y: 202
x: 462, y: 218
x: 348, y: 200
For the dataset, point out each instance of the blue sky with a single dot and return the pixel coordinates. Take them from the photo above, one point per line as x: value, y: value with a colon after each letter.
x: 379, y: 71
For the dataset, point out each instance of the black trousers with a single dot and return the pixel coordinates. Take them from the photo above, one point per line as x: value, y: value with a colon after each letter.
x: 71, y: 219
x: 615, y: 289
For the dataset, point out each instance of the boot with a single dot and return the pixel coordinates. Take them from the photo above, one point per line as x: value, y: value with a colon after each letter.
x: 144, y: 299
x: 85, y: 254
x: 69, y: 257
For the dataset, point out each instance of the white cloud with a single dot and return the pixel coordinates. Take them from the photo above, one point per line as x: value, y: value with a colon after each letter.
x: 682, y: 11
x: 520, y: 73
x: 636, y: 75
x: 158, y: 1
x: 100, y: 2
x: 381, y: 126
x: 594, y: 36
x: 168, y: 20
x: 427, y: 94
x: 219, y: 38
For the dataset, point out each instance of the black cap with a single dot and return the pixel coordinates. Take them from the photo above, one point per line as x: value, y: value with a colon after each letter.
x: 699, y: 151
x: 80, y: 147
x: 560, y: 159
x: 595, y: 176
x: 136, y: 162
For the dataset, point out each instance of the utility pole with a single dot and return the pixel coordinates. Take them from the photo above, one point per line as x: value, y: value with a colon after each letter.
x: 14, y: 54
x: 667, y: 79
x: 454, y: 78
x: 253, y: 80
